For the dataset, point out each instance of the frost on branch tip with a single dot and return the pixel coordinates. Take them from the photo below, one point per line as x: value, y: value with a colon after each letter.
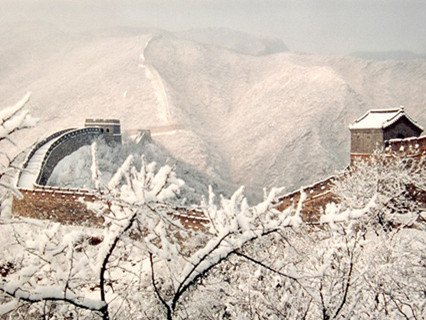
x: 14, y: 118
x: 139, y: 186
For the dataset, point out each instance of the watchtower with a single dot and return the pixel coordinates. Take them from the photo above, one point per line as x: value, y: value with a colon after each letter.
x: 376, y: 127
x: 111, y: 128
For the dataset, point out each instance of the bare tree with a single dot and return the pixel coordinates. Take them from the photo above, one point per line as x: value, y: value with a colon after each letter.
x: 249, y: 262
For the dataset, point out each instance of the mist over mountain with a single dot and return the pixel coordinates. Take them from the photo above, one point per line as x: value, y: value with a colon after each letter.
x: 235, y: 40
x: 247, y: 111
x: 388, y: 55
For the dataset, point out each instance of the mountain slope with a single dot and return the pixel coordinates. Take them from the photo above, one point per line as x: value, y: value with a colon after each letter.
x: 267, y: 120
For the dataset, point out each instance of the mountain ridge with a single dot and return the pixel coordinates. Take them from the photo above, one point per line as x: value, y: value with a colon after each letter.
x: 279, y: 119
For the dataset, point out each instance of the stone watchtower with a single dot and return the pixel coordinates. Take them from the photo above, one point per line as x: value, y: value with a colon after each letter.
x: 375, y: 128
x: 110, y: 127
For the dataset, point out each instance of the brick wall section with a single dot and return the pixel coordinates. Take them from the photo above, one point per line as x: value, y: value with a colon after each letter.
x: 410, y: 147
x: 56, y: 205
x: 64, y: 146
x: 366, y: 140
x: 65, y: 206
x: 319, y: 194
x: 317, y: 197
x: 192, y: 218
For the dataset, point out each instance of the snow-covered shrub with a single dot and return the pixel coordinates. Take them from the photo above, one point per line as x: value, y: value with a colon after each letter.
x: 250, y: 262
x: 385, y: 188
x: 12, y: 119
x: 143, y: 263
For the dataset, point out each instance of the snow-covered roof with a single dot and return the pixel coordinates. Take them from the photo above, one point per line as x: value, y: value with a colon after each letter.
x: 381, y: 118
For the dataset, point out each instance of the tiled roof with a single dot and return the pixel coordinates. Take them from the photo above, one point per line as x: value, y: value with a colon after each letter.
x: 381, y: 118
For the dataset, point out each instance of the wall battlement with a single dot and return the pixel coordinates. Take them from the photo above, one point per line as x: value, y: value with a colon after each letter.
x: 320, y: 194
x: 414, y: 147
x: 110, y: 128
x: 66, y: 205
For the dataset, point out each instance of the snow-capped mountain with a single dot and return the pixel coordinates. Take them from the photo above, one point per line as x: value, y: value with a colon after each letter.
x: 235, y: 41
x: 250, y: 113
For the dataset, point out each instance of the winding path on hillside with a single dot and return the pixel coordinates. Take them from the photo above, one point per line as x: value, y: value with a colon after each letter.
x: 158, y: 85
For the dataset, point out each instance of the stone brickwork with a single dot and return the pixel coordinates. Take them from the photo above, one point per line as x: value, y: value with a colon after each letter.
x: 318, y: 196
x: 64, y: 146
x: 111, y: 128
x: 65, y: 142
x: 411, y: 147
x: 191, y: 218
x: 373, y: 130
x: 59, y: 205
x: 41, y: 143
x: 320, y: 193
x: 365, y: 141
x: 66, y: 206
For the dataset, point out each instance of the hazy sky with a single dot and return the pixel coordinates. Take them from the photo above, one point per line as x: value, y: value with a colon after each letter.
x: 326, y: 26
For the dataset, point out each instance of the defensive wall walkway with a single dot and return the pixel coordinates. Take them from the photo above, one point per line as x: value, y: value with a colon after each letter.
x: 66, y: 206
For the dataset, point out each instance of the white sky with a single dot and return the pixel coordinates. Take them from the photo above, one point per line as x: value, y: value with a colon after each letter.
x: 326, y: 26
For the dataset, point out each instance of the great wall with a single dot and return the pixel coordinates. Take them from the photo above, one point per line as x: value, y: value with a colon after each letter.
x: 319, y: 194
x: 66, y: 205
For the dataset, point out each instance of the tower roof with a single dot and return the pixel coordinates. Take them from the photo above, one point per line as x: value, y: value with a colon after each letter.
x: 381, y: 119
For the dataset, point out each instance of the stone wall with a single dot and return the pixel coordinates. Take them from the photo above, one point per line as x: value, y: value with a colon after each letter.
x: 65, y: 146
x: 318, y: 196
x: 320, y: 193
x: 365, y: 141
x: 411, y: 147
x: 66, y: 206
x: 111, y: 128
x: 41, y: 143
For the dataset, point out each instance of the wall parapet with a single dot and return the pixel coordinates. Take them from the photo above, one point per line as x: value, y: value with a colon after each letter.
x: 39, y: 144
x: 67, y: 206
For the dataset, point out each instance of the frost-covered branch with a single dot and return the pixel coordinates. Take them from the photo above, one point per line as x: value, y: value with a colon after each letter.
x: 12, y: 119
x: 15, y: 118
x: 249, y: 261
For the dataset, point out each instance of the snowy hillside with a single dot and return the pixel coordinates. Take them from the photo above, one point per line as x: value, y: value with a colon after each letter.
x: 74, y: 171
x: 235, y: 41
x: 389, y: 55
x: 259, y: 120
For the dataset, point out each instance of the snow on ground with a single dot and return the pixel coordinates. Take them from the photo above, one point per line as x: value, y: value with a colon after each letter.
x: 256, y: 119
x: 74, y: 170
